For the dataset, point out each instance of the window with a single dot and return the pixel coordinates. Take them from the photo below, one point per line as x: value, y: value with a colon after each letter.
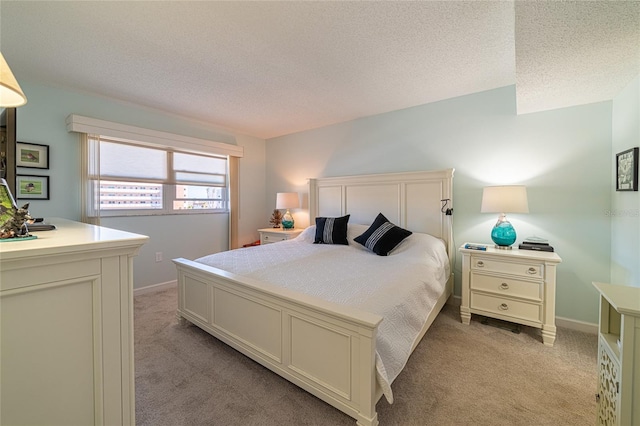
x: 128, y: 179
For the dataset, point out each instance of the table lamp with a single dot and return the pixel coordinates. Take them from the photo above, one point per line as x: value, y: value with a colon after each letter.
x: 287, y: 200
x: 502, y: 200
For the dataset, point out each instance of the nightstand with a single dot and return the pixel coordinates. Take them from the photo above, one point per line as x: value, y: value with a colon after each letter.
x: 512, y: 285
x: 274, y: 235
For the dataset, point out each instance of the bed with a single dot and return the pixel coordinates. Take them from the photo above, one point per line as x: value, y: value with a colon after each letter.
x: 335, y: 344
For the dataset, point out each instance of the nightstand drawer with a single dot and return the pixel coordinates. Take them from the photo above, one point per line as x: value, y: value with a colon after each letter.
x: 506, y: 307
x: 275, y: 235
x: 512, y: 268
x: 272, y: 238
x: 506, y: 286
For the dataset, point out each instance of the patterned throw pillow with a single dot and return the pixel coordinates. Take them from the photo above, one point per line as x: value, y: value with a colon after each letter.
x: 331, y: 230
x: 382, y: 236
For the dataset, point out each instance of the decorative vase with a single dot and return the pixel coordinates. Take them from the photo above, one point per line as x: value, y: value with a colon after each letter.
x: 503, y: 233
x: 287, y: 220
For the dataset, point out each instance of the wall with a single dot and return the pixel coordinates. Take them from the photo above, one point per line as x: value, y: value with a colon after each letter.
x: 42, y: 120
x: 625, y: 206
x: 562, y: 156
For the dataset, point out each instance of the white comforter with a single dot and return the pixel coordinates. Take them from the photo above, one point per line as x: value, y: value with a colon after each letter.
x: 402, y: 287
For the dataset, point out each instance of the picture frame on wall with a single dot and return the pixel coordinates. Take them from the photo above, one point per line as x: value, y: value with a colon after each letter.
x: 32, y: 155
x: 32, y: 187
x: 627, y: 170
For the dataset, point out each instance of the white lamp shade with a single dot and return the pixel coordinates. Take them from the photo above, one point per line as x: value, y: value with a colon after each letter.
x: 505, y: 199
x: 11, y: 94
x: 287, y: 200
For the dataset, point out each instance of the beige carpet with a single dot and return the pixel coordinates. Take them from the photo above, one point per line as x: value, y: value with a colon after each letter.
x: 458, y: 375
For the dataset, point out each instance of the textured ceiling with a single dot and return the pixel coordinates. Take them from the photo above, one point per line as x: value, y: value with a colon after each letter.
x: 574, y: 53
x: 273, y: 68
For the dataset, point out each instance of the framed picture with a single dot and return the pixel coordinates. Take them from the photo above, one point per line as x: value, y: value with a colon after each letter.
x: 32, y: 187
x: 32, y: 155
x: 627, y: 170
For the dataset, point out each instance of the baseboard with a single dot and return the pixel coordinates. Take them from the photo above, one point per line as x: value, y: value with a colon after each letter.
x: 154, y: 287
x: 572, y: 324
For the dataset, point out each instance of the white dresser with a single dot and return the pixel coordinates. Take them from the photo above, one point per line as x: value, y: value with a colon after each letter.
x: 66, y: 312
x: 512, y: 285
x: 618, y: 394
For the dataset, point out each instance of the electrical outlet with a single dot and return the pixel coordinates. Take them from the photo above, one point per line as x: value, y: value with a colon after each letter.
x: 159, y: 256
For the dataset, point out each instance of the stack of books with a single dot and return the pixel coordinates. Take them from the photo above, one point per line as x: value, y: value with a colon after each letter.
x: 535, y: 245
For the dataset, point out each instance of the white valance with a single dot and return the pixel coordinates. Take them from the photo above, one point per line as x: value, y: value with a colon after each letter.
x: 154, y: 138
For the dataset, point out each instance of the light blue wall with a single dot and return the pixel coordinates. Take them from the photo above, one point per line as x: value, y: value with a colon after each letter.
x: 562, y: 156
x: 42, y: 120
x: 625, y: 206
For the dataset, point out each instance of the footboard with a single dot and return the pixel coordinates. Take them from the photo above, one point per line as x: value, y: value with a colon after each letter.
x: 324, y: 348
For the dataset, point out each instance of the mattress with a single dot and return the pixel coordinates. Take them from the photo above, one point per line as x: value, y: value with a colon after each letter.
x: 403, y: 287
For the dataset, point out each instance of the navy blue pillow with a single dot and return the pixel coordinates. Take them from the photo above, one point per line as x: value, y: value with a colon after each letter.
x: 382, y: 236
x: 331, y: 230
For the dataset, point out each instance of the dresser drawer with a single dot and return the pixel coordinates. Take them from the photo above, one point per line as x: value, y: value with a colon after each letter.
x: 507, y: 286
x: 507, y: 307
x: 512, y: 268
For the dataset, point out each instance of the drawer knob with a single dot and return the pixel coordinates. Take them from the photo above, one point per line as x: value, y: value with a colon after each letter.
x: 504, y: 286
x: 503, y: 307
x: 532, y: 271
x: 480, y: 264
x: 266, y: 238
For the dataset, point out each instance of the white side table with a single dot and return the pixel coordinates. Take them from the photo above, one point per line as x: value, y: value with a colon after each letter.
x: 274, y: 235
x: 512, y: 285
x: 618, y: 394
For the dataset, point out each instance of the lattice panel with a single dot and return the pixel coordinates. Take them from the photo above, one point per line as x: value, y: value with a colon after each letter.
x: 609, y: 372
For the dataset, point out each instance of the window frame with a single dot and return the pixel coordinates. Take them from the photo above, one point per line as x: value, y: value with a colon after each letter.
x: 169, y: 185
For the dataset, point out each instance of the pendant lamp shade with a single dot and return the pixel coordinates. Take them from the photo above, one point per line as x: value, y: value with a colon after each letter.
x: 11, y: 95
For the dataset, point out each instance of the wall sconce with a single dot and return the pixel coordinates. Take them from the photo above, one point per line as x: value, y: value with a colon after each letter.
x: 287, y: 200
x: 11, y: 95
x: 502, y: 200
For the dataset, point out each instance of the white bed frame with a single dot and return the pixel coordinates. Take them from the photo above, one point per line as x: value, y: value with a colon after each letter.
x: 324, y: 348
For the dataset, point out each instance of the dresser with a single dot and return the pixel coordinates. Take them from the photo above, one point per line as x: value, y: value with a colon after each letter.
x: 618, y: 396
x: 273, y: 235
x: 66, y: 312
x: 514, y: 285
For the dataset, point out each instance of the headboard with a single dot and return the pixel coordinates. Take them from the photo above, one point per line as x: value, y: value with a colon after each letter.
x: 411, y: 200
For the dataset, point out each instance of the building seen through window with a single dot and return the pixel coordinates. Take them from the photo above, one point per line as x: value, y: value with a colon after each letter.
x: 144, y: 196
x: 130, y: 195
x: 199, y: 197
